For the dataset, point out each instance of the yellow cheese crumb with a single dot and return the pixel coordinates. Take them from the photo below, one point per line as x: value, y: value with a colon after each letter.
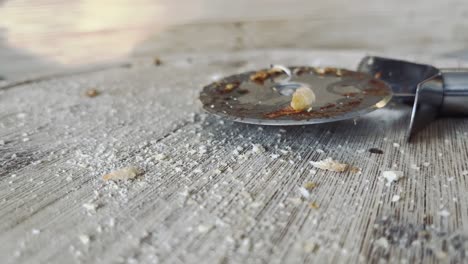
x: 302, y: 99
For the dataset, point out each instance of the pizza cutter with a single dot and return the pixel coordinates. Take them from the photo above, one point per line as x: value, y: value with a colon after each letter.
x: 432, y: 92
x: 264, y: 97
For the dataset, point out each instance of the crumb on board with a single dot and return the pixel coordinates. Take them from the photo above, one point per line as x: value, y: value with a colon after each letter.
x: 126, y: 173
x: 310, y: 247
x: 90, y: 206
x: 314, y: 205
x: 160, y: 156
x: 382, y: 243
x: 304, y: 192
x: 157, y: 61
x: 444, y: 213
x: 395, y: 198
x: 330, y: 164
x: 85, y: 239
x: 257, y: 148
x: 355, y: 170
x: 376, y: 151
x: 310, y: 186
x: 392, y: 176
x: 92, y: 92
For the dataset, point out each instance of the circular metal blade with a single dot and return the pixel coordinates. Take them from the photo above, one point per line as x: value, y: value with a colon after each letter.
x: 264, y: 97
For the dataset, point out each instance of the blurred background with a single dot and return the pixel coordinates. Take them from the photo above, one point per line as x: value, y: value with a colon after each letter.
x: 49, y: 35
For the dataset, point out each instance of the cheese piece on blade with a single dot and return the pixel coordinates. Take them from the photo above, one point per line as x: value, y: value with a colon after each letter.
x: 302, y: 99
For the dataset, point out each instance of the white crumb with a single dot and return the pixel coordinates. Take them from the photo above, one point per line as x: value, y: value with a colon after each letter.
x: 415, y: 167
x: 395, y: 198
x: 329, y: 164
x: 35, y: 231
x: 69, y: 179
x: 304, y: 192
x: 202, y: 149
x: 360, y: 151
x: 123, y: 174
x: 382, y: 242
x: 444, y: 213
x: 90, y: 206
x: 204, y: 228
x: 320, y: 151
x: 85, y: 239
x: 464, y: 173
x: 426, y: 164
x: 160, y: 157
x: 392, y: 176
x: 310, y: 247
x: 2, y: 142
x: 111, y: 222
x: 257, y: 148
x: 396, y: 145
x: 274, y: 156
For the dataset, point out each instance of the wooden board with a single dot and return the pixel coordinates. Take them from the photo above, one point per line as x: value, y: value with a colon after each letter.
x: 48, y: 36
x: 207, y: 195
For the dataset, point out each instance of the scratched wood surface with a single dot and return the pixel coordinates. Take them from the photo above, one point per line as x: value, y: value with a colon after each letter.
x: 207, y: 194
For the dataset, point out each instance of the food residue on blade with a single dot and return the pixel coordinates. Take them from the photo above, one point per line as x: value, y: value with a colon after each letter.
x: 302, y: 99
x: 377, y: 88
x: 286, y: 111
x: 326, y: 111
x: 260, y: 76
x: 230, y: 87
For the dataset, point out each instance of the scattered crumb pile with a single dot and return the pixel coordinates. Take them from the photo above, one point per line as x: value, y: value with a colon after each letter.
x: 302, y: 99
x: 392, y: 176
x: 126, y: 173
x: 330, y: 164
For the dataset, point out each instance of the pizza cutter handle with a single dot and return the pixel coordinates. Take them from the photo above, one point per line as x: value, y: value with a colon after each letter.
x: 455, y: 99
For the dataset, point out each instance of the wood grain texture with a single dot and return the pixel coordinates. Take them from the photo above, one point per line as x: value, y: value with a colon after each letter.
x: 210, y: 198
